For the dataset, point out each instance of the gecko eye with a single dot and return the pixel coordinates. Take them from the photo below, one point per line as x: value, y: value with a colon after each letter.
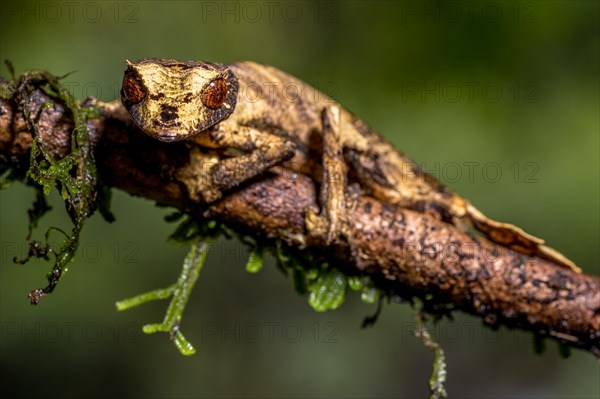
x: 133, y: 89
x: 214, y: 95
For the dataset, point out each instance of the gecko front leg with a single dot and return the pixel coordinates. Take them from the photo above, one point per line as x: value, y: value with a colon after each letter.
x: 208, y: 174
x: 328, y: 222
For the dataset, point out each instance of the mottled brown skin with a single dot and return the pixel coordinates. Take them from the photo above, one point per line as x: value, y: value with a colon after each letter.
x: 273, y: 118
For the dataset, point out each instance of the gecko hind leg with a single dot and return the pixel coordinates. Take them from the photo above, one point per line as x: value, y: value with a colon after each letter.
x: 395, y: 179
x: 329, y: 221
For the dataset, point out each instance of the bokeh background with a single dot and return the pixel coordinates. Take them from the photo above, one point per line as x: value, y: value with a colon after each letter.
x: 510, y: 88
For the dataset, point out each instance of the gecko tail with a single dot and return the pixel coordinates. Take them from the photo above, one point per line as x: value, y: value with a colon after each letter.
x: 516, y: 238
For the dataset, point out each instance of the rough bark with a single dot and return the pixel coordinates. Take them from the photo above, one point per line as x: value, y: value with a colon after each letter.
x: 410, y: 252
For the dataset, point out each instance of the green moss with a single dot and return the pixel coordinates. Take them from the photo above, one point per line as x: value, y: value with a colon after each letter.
x: 564, y: 350
x: 197, y: 234
x: 370, y: 294
x: 74, y: 175
x: 255, y: 260
x: 179, y: 293
x: 355, y: 283
x: 539, y: 344
x: 328, y: 290
x: 438, y: 374
x: 7, y: 89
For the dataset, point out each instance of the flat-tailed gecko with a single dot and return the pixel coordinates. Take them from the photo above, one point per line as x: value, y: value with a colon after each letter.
x: 265, y: 117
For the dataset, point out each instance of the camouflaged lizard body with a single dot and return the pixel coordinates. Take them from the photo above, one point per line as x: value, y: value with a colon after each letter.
x: 272, y: 118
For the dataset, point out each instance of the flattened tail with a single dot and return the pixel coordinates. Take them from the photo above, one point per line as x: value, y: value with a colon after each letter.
x: 516, y: 238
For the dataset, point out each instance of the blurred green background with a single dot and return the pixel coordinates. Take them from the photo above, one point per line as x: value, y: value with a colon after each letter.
x: 510, y: 88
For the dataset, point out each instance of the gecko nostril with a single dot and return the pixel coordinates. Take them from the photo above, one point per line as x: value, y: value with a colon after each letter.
x: 168, y: 113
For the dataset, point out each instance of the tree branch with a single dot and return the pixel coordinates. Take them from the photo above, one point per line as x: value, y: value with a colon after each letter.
x: 409, y: 252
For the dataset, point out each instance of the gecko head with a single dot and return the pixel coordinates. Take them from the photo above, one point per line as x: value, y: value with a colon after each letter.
x: 173, y: 100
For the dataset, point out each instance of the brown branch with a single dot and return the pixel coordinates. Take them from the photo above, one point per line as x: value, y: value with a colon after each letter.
x: 409, y: 252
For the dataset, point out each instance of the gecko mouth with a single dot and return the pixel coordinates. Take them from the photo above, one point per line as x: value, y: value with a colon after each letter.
x: 167, y: 124
x: 167, y: 130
